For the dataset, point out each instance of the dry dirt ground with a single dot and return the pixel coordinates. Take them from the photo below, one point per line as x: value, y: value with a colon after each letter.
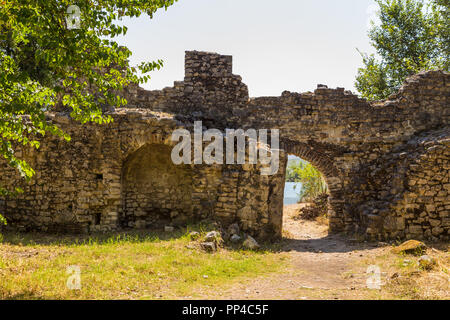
x: 334, y: 267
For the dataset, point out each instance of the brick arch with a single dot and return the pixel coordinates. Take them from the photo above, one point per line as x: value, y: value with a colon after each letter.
x: 332, y: 175
x: 132, y: 143
x: 303, y: 150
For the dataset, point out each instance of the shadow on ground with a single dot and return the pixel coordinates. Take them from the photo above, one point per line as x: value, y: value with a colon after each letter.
x: 331, y: 243
x: 37, y: 238
x: 336, y: 243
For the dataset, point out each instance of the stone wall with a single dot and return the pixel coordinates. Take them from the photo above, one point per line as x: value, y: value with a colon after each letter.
x: 386, y: 162
x: 152, y: 183
x: 412, y: 189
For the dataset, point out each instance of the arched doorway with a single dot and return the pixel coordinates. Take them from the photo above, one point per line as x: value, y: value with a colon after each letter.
x: 155, y: 192
x: 323, y: 163
x: 305, y: 201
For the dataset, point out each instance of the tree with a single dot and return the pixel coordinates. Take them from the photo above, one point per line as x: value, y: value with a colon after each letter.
x: 291, y: 173
x: 312, y: 181
x: 46, y: 64
x: 413, y: 35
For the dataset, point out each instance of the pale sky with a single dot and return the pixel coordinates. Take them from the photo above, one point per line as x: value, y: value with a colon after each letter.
x: 276, y: 45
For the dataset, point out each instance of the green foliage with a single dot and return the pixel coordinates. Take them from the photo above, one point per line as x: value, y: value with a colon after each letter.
x: 291, y: 174
x: 44, y: 65
x: 312, y: 181
x: 413, y: 35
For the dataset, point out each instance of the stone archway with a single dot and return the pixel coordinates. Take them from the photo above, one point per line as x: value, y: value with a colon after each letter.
x: 331, y: 174
x: 154, y: 190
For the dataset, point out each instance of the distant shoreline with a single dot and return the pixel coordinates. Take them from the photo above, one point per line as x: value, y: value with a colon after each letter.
x: 290, y: 194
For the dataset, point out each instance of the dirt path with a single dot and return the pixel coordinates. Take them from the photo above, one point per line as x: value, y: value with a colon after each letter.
x: 322, y: 266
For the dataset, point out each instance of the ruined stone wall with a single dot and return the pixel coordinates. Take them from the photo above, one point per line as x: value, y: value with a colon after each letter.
x: 411, y: 188
x: 386, y: 163
x: 121, y: 175
x: 151, y: 183
x: 348, y: 139
x: 78, y: 185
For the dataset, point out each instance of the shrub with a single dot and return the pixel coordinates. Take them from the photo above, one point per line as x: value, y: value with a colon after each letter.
x: 318, y: 208
x: 313, y: 182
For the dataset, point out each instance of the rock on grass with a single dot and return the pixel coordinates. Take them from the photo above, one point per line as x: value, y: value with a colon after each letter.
x: 413, y: 247
x: 250, y: 243
x: 235, y: 238
x: 426, y: 262
x: 213, y: 236
x: 208, y: 246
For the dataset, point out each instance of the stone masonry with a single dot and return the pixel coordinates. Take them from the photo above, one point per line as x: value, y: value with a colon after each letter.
x: 386, y: 163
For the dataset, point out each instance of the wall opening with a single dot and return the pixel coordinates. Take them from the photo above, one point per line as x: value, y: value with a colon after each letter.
x: 305, y: 202
x: 98, y: 218
x: 155, y: 192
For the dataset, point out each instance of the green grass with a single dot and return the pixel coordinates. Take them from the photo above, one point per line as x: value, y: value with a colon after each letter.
x: 124, y: 266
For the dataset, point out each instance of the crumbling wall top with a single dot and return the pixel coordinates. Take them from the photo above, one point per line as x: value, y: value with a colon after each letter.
x: 206, y: 65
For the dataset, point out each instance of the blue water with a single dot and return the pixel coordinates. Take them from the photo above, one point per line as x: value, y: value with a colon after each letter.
x: 291, y: 190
